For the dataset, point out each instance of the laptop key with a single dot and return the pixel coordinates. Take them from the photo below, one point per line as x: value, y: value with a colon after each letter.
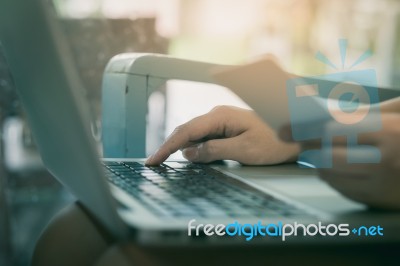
x: 106, y: 163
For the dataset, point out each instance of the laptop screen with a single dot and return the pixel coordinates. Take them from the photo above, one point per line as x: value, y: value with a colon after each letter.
x: 49, y: 89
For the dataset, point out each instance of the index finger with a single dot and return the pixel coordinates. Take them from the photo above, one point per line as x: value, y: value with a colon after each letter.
x: 184, y: 135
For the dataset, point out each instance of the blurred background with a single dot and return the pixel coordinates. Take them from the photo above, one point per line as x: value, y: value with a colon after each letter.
x: 223, y: 31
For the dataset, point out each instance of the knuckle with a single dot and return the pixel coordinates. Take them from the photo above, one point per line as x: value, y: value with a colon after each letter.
x: 221, y: 109
x: 179, y: 129
x: 221, y: 114
x: 207, y: 152
x: 208, y: 148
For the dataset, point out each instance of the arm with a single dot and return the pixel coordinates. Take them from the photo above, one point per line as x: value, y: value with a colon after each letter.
x: 392, y: 105
x: 226, y: 133
x: 374, y: 184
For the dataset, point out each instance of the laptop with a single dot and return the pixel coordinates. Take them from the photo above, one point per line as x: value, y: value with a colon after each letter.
x: 153, y: 205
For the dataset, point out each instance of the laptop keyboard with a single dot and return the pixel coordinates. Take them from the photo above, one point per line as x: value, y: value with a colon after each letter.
x: 193, y: 190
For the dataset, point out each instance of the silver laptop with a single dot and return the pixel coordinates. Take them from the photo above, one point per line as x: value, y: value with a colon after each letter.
x: 162, y: 205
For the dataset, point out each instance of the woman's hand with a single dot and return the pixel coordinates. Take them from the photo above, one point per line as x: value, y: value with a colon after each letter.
x: 226, y: 133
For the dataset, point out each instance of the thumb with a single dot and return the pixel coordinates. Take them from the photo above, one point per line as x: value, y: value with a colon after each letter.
x: 211, y: 150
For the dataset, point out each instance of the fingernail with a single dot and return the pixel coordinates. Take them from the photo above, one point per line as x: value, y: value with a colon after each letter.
x: 191, y: 153
x: 149, y: 160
